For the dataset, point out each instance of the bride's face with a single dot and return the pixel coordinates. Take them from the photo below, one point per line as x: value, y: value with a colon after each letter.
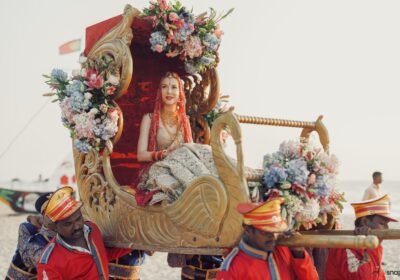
x: 169, y: 91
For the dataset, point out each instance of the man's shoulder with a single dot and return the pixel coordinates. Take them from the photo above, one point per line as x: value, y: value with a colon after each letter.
x: 226, y: 264
x: 27, y: 227
x: 47, y: 252
x: 92, y: 225
x: 38, y: 239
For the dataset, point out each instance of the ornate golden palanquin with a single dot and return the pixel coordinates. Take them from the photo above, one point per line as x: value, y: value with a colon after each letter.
x: 203, y: 220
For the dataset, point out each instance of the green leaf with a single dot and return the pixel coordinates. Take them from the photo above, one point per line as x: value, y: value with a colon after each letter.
x: 227, y: 14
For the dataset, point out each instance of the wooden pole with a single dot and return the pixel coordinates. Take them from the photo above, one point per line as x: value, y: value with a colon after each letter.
x: 389, y: 234
x: 330, y: 241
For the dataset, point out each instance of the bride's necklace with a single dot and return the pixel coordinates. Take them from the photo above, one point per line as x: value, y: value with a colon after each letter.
x: 169, y: 118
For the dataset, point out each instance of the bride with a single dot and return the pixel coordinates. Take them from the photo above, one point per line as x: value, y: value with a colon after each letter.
x: 166, y: 144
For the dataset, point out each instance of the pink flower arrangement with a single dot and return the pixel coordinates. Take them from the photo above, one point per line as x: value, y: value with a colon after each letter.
x: 86, y: 102
x: 179, y: 33
x: 193, y: 47
x: 305, y: 176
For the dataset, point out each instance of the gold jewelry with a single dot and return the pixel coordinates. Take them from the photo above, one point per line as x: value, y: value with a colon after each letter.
x: 169, y: 118
x: 172, y: 135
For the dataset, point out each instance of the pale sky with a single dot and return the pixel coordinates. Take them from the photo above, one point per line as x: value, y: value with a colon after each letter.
x: 281, y: 59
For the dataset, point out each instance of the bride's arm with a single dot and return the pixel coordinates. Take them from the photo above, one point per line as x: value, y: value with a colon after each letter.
x: 142, y: 153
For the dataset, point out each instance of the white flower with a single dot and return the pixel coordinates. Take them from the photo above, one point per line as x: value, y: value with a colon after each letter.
x: 93, y: 111
x: 84, y: 124
x: 88, y: 95
x: 290, y: 149
x: 329, y: 162
x: 76, y: 72
x: 113, y: 116
x: 83, y: 72
x: 82, y: 59
x: 103, y: 108
x: 310, y: 211
x: 113, y: 80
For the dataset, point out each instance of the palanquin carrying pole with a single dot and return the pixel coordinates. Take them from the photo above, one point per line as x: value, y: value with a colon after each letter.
x: 339, y: 239
x: 330, y: 241
x: 383, y: 234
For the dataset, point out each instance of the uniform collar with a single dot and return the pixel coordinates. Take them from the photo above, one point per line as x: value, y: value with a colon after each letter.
x: 251, y: 251
x: 86, y: 231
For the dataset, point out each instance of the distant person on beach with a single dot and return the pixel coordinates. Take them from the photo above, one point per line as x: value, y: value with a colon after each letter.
x: 373, y: 191
x: 362, y: 264
x: 33, y: 237
x: 77, y: 251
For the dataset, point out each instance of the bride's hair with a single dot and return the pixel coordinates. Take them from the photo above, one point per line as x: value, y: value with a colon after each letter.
x: 184, y: 123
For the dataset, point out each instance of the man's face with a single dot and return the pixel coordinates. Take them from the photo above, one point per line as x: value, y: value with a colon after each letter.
x: 71, y: 228
x: 376, y: 222
x: 261, y: 240
x: 378, y: 180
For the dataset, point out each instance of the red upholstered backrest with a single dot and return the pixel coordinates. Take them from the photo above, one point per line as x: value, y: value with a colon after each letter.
x: 148, y: 68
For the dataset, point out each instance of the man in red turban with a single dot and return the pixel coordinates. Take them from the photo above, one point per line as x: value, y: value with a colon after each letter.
x: 362, y: 264
x: 77, y: 251
x: 258, y: 257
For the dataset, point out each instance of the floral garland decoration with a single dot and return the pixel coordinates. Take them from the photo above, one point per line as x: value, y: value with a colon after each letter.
x: 306, y: 177
x: 178, y: 32
x: 85, y: 100
x: 220, y: 107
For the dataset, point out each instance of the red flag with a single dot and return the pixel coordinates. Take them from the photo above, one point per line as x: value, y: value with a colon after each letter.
x: 70, y: 47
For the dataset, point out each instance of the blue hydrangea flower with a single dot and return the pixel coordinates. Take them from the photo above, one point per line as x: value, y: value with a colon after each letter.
x: 190, y: 68
x: 82, y: 145
x: 211, y: 41
x: 321, y: 187
x: 186, y: 15
x: 108, y: 132
x: 272, y: 159
x: 274, y: 175
x: 157, y: 38
x: 207, y: 60
x: 78, y: 102
x: 98, y: 129
x: 183, y: 33
x: 75, y: 86
x: 297, y: 171
x: 58, y: 74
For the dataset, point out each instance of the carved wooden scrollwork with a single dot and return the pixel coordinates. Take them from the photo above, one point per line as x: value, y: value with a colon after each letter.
x: 201, y: 99
x: 94, y: 190
x: 116, y: 43
x: 202, y: 221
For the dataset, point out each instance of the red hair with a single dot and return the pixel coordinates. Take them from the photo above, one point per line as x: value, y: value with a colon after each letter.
x: 183, y: 120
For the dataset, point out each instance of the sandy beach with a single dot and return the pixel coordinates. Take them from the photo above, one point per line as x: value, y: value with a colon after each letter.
x: 156, y: 266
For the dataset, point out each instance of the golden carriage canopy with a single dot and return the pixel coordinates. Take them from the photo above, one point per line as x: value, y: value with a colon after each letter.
x: 203, y: 220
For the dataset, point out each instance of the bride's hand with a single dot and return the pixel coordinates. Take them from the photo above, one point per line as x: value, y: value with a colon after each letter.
x: 164, y: 154
x: 170, y: 150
